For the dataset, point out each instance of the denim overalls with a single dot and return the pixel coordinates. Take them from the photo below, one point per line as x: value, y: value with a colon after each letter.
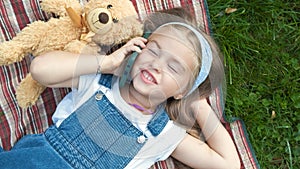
x: 96, y: 135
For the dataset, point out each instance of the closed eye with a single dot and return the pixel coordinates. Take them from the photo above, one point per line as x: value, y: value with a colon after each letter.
x: 176, y: 67
x: 153, y: 48
x: 173, y: 68
x: 153, y: 52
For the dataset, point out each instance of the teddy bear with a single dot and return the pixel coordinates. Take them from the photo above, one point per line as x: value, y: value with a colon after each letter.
x: 79, y: 28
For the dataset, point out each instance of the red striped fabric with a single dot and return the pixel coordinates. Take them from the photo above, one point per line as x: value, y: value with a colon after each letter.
x: 196, y: 7
x: 167, y: 164
x: 15, y: 122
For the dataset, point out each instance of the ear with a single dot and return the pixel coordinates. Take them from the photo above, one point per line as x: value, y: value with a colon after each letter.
x: 179, y: 96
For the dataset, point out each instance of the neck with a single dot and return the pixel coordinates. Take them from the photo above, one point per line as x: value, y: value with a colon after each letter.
x: 133, y: 97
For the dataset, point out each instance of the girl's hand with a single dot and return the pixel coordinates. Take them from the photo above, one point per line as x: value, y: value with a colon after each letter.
x: 218, y: 150
x: 113, y: 63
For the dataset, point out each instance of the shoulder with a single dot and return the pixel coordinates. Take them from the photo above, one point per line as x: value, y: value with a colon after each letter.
x: 87, y: 81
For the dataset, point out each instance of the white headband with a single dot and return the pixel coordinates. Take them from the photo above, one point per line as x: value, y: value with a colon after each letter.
x: 206, y: 55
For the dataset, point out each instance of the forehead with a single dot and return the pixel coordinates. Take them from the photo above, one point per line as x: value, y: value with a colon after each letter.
x: 176, y: 42
x: 175, y: 36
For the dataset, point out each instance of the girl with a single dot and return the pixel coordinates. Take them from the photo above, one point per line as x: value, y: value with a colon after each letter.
x: 194, y: 112
x: 102, y: 125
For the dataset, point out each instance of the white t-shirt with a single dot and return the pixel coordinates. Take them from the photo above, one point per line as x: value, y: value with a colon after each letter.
x: 156, y: 148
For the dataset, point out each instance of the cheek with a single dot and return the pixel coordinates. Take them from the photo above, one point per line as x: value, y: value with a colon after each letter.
x: 134, y: 70
x: 142, y: 59
x: 139, y: 60
x: 181, y: 83
x: 136, y: 64
x: 172, y: 83
x: 144, y: 56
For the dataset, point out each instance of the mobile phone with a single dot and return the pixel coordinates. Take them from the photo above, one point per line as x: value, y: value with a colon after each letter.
x: 125, y: 78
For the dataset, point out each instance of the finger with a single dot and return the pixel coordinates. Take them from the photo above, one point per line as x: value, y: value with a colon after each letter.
x: 134, y: 49
x: 125, y: 51
x: 142, y: 39
x: 130, y: 48
x: 142, y: 43
x: 138, y: 41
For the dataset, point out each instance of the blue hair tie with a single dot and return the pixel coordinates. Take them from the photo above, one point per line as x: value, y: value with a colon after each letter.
x: 206, y: 60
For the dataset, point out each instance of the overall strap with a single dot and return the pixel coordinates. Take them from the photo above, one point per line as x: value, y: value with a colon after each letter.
x: 159, y: 121
x: 106, y: 80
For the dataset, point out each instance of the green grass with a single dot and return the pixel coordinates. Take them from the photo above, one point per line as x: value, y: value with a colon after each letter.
x: 261, y: 46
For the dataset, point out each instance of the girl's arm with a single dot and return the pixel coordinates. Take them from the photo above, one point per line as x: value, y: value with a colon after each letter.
x: 63, y: 69
x: 217, y: 152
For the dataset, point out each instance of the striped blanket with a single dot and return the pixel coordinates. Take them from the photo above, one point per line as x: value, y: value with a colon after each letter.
x: 16, y: 122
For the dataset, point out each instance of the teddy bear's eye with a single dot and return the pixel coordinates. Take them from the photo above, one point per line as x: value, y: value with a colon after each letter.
x: 109, y: 6
x: 115, y: 20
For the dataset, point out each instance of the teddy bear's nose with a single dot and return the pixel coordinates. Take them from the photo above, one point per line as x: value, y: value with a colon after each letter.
x: 103, y: 18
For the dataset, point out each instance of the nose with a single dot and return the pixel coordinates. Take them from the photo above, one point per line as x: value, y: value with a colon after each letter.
x: 156, y: 65
x: 103, y: 17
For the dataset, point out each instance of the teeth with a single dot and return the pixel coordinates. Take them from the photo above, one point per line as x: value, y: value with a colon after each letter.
x: 148, y: 77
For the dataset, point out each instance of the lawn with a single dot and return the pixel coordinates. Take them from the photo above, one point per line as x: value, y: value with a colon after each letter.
x: 260, y: 41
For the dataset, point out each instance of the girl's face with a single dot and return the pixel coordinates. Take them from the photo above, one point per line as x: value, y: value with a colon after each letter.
x: 165, y: 67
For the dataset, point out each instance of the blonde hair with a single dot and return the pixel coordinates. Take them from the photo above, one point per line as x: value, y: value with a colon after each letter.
x: 179, y: 110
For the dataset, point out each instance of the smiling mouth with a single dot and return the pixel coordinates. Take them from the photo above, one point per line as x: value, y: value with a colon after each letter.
x: 147, y: 77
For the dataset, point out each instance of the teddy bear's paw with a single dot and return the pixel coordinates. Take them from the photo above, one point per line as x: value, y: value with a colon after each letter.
x: 91, y: 48
x: 10, y: 53
x: 28, y: 92
x: 77, y: 46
